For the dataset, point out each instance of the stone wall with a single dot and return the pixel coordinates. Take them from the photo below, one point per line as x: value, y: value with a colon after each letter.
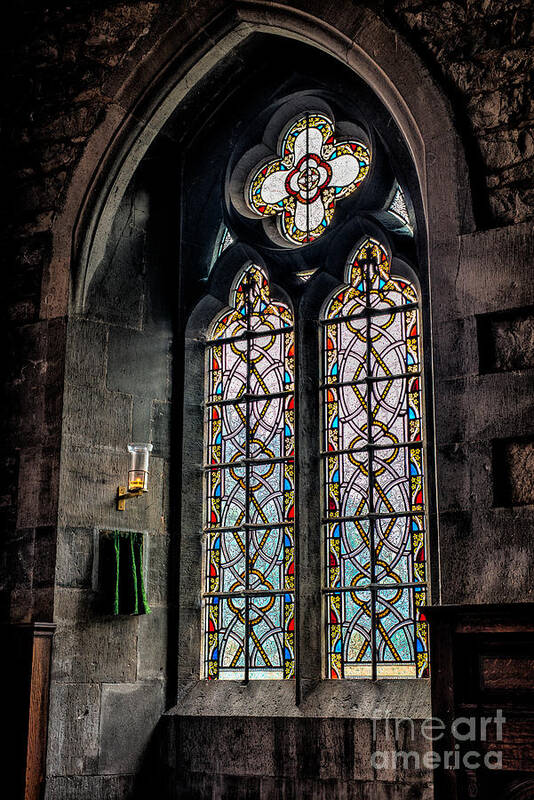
x: 482, y: 53
x: 483, y: 396
x: 108, y: 673
x: 280, y: 757
x: 65, y: 64
x: 81, y: 386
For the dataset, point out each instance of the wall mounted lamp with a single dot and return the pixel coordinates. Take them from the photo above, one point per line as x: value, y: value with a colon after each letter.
x: 137, y: 474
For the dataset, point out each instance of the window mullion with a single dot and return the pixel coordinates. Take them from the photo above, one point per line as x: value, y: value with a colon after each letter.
x: 370, y: 462
x: 247, y: 289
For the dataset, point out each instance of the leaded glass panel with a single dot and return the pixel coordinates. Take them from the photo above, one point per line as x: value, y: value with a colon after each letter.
x: 312, y: 174
x: 248, y: 597
x: 373, y: 496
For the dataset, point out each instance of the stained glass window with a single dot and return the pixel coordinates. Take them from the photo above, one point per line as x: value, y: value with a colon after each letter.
x: 312, y: 174
x: 399, y: 209
x: 225, y: 241
x: 248, y: 597
x: 373, y: 497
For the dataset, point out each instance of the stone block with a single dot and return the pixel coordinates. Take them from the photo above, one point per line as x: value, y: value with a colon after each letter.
x: 90, y: 477
x: 502, y: 148
x: 157, y: 569
x: 383, y: 744
x: 43, y: 602
x: 245, y: 745
x: 44, y: 556
x: 454, y: 476
x: 24, y: 383
x: 513, y: 472
x: 334, y: 747
x: 19, y: 604
x: 411, y: 768
x: 161, y: 428
x: 487, y: 556
x: 86, y: 358
x: 117, y: 291
x: 506, y: 341
x: 19, y: 555
x: 139, y: 362
x: 116, y: 296
x: 464, y: 471
x: 90, y: 646
x: 97, y: 416
x: 90, y: 787
x: 74, y: 564
x: 38, y: 487
x: 485, y: 407
x: 152, y: 645
x: 490, y: 270
x: 141, y: 419
x: 455, y: 348
x: 362, y: 749
x: 130, y: 713
x: 73, y: 732
x: 55, y: 374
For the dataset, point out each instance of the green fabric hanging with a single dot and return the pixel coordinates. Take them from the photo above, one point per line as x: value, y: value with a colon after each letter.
x: 122, y: 573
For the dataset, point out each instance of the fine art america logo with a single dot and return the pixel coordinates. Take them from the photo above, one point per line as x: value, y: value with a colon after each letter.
x: 458, y: 754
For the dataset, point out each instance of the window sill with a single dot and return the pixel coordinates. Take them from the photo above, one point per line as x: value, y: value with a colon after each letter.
x: 358, y: 698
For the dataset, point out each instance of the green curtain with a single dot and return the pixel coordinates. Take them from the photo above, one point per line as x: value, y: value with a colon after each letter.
x: 121, y: 572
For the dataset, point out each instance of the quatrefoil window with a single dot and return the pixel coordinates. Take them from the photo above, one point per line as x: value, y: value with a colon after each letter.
x: 312, y: 174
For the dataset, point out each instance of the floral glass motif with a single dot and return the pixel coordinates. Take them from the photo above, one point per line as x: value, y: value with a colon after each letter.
x: 313, y: 173
x: 373, y: 495
x: 248, y: 597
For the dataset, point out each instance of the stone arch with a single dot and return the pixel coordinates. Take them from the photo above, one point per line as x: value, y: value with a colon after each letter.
x: 145, y: 100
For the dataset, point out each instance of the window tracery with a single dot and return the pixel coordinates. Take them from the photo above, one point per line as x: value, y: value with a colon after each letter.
x: 313, y: 173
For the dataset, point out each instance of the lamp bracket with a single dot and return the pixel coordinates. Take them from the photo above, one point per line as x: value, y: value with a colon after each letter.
x: 123, y: 494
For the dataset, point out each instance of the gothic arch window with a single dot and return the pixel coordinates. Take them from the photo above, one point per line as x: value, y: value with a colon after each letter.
x: 373, y: 488
x: 305, y: 224
x: 249, y: 500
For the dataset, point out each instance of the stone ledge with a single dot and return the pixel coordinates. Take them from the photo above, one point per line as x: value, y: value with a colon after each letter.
x: 363, y: 698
